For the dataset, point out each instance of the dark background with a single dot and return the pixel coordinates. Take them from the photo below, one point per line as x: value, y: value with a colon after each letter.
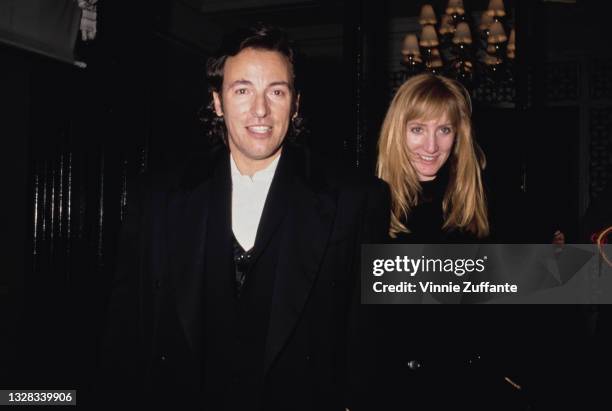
x: 74, y: 139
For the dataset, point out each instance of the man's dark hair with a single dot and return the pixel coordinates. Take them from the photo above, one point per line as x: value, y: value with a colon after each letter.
x: 259, y: 37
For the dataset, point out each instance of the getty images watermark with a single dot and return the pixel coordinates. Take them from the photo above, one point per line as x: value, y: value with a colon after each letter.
x: 478, y: 273
x: 413, y: 266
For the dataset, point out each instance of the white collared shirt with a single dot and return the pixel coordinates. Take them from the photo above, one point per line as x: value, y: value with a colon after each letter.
x: 248, y: 200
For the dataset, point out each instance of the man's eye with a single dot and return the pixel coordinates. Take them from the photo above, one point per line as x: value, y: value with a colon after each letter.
x: 241, y: 91
x: 278, y: 93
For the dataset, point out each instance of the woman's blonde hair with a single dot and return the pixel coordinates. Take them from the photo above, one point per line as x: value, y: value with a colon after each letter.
x: 426, y: 97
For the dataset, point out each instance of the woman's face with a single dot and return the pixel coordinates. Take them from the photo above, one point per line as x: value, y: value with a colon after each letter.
x: 429, y: 145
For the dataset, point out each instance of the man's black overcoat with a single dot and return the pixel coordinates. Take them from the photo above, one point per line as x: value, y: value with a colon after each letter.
x: 318, y: 214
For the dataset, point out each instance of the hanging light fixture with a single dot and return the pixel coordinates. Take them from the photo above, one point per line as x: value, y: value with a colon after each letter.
x: 485, y: 22
x: 452, y: 50
x: 455, y: 7
x: 511, y: 48
x: 496, y: 9
x: 411, y: 46
x: 434, y: 63
x: 429, y: 37
x: 463, y: 35
x: 429, y: 41
x: 428, y: 16
x: 411, y: 54
x: 447, y: 26
x: 497, y: 34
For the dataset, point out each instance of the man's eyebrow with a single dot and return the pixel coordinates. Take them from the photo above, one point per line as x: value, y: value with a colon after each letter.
x: 243, y: 82
x: 280, y: 83
x: 240, y: 83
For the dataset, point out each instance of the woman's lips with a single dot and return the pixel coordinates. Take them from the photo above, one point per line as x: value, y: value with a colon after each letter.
x: 428, y: 159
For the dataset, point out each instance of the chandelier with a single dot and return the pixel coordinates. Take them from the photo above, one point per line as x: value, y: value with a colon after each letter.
x: 470, y: 49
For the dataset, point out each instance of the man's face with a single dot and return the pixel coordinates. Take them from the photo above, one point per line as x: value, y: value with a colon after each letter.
x: 429, y: 145
x: 255, y: 101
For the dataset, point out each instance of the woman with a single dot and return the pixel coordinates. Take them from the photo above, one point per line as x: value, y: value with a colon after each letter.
x: 438, y: 356
x: 429, y: 159
x: 432, y: 357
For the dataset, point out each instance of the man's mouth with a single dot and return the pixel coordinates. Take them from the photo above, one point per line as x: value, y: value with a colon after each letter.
x: 259, y: 129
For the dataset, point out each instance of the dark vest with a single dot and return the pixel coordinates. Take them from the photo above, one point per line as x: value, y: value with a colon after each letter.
x: 236, y: 323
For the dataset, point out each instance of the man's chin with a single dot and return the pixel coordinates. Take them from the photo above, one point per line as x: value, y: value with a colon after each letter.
x: 258, y: 158
x: 264, y: 154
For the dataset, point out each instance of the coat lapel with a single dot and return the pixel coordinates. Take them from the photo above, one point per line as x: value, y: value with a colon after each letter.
x: 189, y: 209
x: 309, y: 211
x: 275, y: 207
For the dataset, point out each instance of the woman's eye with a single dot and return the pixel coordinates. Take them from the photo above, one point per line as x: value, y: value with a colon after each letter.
x: 416, y: 130
x: 446, y: 130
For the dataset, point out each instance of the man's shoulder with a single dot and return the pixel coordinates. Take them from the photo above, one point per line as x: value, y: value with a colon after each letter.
x: 183, y: 175
x: 340, y: 174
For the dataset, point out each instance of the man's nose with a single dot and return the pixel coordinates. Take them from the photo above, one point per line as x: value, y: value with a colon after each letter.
x: 431, y: 143
x: 260, y: 106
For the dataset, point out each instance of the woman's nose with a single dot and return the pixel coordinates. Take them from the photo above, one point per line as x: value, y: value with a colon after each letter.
x: 431, y: 144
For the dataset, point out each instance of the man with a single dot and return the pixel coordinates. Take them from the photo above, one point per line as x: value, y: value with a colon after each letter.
x: 238, y: 277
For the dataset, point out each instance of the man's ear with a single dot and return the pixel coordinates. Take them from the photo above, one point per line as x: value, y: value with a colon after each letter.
x: 296, y: 108
x: 217, y: 103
